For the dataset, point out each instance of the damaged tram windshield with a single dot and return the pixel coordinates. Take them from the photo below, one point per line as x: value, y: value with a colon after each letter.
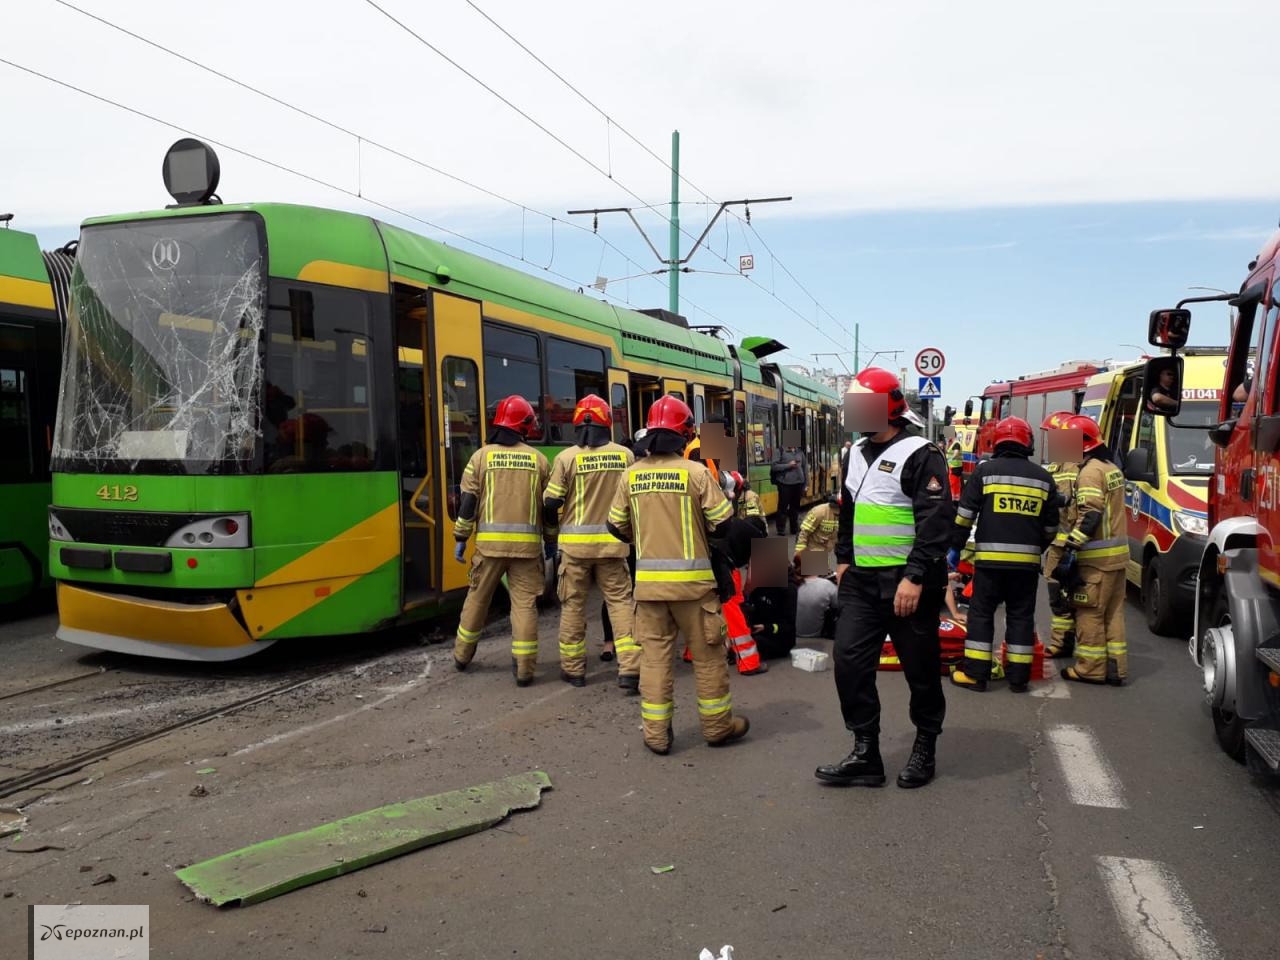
x: 161, y: 371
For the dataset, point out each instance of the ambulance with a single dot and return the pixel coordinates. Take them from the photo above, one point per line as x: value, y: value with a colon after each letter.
x: 1167, y: 466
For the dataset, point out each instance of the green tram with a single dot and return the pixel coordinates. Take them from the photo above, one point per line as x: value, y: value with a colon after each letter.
x: 33, y: 289
x: 268, y: 409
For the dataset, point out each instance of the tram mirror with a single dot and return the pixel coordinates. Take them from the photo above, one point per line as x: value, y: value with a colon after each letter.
x: 791, y: 438
x: 866, y: 412
x: 769, y: 562
x: 1169, y: 328
x: 716, y: 445
x: 191, y: 172
x: 1064, y: 446
x: 1162, y: 386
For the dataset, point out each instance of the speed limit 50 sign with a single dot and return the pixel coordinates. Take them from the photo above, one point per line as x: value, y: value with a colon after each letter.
x: 930, y: 361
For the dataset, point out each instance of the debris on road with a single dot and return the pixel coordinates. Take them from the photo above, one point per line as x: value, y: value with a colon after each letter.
x: 198, y: 791
x: 105, y: 878
x: 726, y: 953
x: 667, y: 869
x: 279, y: 865
x: 208, y: 770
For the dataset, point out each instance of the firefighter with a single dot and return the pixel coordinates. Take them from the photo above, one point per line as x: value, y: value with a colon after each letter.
x: 583, y: 480
x: 668, y: 505
x: 1062, y: 625
x: 747, y: 502
x: 818, y: 532
x: 503, y: 483
x: 1015, y: 505
x: 1098, y: 547
x: 896, y: 516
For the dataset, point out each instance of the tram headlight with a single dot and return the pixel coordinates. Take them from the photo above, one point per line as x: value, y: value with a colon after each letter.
x: 1191, y: 523
x: 56, y: 530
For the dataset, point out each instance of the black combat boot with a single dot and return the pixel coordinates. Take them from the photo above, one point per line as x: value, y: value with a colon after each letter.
x: 861, y: 768
x: 573, y: 679
x: 920, y: 768
x: 630, y: 683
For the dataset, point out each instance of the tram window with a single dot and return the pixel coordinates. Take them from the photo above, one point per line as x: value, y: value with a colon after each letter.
x: 317, y: 411
x: 740, y: 425
x: 512, y: 365
x: 16, y: 462
x: 763, y: 414
x: 699, y: 410
x: 459, y: 386
x: 621, y: 426
x: 573, y: 371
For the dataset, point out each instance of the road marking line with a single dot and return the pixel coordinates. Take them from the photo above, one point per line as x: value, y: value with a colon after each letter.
x: 1155, y: 912
x: 1088, y: 775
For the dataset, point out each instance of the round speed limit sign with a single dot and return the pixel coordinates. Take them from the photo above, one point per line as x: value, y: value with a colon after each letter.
x: 930, y: 361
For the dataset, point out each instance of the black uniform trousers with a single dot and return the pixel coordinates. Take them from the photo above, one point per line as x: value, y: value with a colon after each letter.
x: 1016, y: 588
x: 866, y: 616
x: 789, y: 496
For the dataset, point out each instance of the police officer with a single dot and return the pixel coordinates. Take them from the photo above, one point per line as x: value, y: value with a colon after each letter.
x: 818, y: 532
x: 584, y: 478
x: 1098, y: 546
x: 668, y: 505
x: 502, y: 491
x: 896, y: 517
x: 1015, y: 505
x: 1062, y: 624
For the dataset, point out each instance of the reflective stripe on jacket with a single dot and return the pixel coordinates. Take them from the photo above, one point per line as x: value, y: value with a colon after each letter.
x: 508, y: 484
x: 586, y: 479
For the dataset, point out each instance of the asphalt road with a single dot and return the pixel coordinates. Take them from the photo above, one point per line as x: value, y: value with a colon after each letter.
x: 1076, y: 822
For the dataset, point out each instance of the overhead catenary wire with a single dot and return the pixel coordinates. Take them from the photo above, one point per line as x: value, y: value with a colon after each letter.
x: 612, y: 123
x: 360, y: 138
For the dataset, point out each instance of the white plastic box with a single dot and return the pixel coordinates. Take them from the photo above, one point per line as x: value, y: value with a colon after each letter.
x: 814, y: 661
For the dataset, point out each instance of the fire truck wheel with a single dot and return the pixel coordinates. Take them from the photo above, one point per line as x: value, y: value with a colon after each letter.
x: 1158, y: 601
x: 1227, y: 726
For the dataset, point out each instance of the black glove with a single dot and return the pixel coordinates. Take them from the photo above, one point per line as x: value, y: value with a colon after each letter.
x: 1063, y: 571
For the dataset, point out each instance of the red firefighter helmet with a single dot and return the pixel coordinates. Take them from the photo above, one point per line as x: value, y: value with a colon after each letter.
x: 592, y: 410
x: 1089, y: 428
x: 516, y: 413
x: 671, y: 413
x: 1013, y: 430
x: 1057, y: 421
x: 877, y: 380
x: 737, y: 479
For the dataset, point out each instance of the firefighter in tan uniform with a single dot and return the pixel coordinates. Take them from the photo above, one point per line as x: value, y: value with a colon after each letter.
x: 818, y: 532
x: 502, y: 494
x: 584, y: 479
x: 1099, y: 546
x: 1062, y: 638
x: 667, y: 505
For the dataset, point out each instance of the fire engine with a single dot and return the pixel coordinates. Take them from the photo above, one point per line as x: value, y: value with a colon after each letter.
x: 1032, y: 396
x: 1236, y: 638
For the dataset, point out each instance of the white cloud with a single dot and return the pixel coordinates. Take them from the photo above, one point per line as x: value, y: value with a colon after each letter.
x: 847, y: 106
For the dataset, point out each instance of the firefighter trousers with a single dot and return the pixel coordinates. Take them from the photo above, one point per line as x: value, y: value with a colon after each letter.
x: 1016, y: 588
x: 1062, y: 613
x: 1101, y: 648
x: 866, y: 615
x: 613, y: 578
x: 656, y: 624
x: 524, y: 585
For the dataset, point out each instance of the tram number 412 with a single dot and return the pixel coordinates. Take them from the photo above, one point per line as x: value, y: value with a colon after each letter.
x: 117, y: 492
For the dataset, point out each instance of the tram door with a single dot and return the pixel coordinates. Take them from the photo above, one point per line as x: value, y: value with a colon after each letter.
x: 458, y: 415
x: 413, y: 400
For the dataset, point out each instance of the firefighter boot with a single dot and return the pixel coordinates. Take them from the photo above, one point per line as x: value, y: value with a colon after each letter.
x: 966, y: 682
x: 522, y: 668
x: 737, y: 730
x: 573, y: 679
x: 920, y: 768
x: 464, y: 648
x: 861, y: 768
x: 1067, y: 647
x: 630, y: 684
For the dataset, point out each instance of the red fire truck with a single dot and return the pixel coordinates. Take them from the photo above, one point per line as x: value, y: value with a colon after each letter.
x: 1236, y: 639
x: 1032, y: 397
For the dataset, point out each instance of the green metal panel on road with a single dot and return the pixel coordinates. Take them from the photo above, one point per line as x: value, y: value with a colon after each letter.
x: 277, y: 866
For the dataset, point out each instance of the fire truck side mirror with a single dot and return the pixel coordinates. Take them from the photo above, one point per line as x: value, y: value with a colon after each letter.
x: 1162, y: 386
x: 1169, y: 328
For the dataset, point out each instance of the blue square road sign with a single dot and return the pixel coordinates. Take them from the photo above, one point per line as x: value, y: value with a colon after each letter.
x: 930, y: 388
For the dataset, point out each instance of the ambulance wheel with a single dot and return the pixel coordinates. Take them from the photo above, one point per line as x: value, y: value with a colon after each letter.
x: 1158, y: 601
x: 1227, y: 725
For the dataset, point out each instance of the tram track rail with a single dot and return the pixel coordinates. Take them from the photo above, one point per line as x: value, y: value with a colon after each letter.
x: 53, y: 684
x: 60, y: 768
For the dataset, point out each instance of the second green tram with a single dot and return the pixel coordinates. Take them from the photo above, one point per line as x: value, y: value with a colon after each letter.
x: 33, y: 293
x: 268, y: 408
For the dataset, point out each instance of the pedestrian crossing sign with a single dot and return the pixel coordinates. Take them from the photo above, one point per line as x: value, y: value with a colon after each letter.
x: 930, y: 388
